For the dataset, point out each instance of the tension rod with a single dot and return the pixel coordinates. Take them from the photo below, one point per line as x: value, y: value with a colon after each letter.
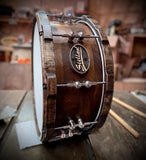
x: 77, y: 84
x: 61, y: 15
x: 75, y: 35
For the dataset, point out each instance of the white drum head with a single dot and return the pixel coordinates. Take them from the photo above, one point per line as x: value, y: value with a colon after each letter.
x: 37, y: 79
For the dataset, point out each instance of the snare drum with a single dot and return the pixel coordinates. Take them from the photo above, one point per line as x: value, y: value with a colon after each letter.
x: 72, y: 75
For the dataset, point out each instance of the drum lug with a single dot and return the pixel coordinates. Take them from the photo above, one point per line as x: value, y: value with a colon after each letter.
x: 70, y: 37
x: 72, y: 124
x: 80, y: 39
x: 88, y: 84
x: 80, y: 123
x: 77, y: 84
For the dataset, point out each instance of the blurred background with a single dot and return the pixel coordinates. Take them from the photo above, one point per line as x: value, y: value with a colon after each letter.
x: 124, y: 21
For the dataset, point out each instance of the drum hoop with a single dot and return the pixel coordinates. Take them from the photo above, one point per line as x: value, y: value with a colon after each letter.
x: 103, y: 67
x: 49, y: 78
x: 35, y: 115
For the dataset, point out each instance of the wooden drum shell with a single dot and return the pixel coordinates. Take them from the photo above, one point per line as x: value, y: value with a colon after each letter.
x: 70, y: 103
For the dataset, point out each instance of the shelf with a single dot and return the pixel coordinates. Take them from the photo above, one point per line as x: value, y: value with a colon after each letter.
x: 7, y: 19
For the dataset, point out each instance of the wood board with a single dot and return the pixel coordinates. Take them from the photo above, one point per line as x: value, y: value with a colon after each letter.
x: 11, y: 99
x: 111, y: 142
x: 69, y: 149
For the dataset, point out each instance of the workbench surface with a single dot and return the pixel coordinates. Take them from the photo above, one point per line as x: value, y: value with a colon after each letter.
x: 111, y: 142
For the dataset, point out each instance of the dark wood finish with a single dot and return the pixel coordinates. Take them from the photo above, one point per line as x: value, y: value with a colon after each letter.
x: 71, y: 102
x: 137, y: 47
x: 108, y: 60
x: 129, y: 12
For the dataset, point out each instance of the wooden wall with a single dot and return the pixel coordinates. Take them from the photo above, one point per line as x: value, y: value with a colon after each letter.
x: 56, y: 5
x: 128, y: 11
x: 15, y: 76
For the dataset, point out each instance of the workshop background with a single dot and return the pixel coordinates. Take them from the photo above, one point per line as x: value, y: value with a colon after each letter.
x: 124, y: 21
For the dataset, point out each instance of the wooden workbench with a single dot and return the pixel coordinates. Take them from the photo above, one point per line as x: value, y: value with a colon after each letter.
x: 111, y: 142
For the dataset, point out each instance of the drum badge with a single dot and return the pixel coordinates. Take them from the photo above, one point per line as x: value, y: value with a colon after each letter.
x: 79, y: 59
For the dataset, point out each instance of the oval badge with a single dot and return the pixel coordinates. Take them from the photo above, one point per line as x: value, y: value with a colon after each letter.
x: 79, y: 59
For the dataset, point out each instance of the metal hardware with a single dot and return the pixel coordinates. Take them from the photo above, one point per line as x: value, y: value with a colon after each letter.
x: 66, y: 136
x: 72, y: 124
x: 70, y: 38
x: 96, y: 32
x: 72, y: 35
x: 87, y: 84
x: 64, y: 18
x: 81, y: 125
x: 63, y: 135
x: 80, y: 39
x: 76, y: 125
x: 44, y: 132
x: 44, y: 86
x: 79, y: 35
x: 40, y: 33
x: 78, y: 84
x: 70, y: 133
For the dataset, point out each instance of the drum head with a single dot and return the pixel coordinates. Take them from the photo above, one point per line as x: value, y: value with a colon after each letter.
x: 37, y: 79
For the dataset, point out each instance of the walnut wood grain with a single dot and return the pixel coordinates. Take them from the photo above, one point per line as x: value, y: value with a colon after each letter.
x: 64, y: 103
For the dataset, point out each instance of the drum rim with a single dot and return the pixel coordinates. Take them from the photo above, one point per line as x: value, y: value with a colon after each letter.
x: 35, y: 114
x: 47, y: 70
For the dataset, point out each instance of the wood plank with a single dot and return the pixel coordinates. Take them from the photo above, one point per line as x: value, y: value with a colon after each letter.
x: 124, y: 124
x: 113, y: 141
x: 11, y: 99
x: 129, y: 85
x: 140, y: 96
x: 69, y: 149
x: 129, y: 107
